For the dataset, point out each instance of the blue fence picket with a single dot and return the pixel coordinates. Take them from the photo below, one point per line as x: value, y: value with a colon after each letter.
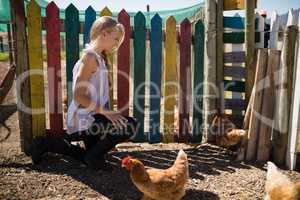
x: 72, y: 44
x: 139, y: 44
x: 198, y: 80
x: 90, y: 17
x: 155, y: 78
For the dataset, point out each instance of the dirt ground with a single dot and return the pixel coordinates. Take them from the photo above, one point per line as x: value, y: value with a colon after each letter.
x: 213, y: 172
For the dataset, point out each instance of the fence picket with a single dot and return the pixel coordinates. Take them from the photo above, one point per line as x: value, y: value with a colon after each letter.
x: 90, y: 17
x: 72, y: 45
x: 155, y: 78
x: 184, y: 79
x: 54, y: 67
x: 291, y: 18
x: 170, y: 78
x: 139, y: 44
x: 280, y: 134
x: 294, y: 128
x: 274, y: 31
x: 124, y: 65
x: 198, y: 77
x: 35, y: 57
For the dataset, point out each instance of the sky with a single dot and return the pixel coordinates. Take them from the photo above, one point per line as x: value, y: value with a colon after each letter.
x: 281, y: 6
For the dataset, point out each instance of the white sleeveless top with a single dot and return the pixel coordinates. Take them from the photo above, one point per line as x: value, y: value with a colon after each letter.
x: 79, y: 118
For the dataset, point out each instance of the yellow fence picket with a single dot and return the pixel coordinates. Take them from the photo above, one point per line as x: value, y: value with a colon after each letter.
x: 170, y: 79
x: 36, y: 68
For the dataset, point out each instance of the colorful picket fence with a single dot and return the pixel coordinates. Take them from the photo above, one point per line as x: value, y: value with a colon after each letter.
x: 163, y: 70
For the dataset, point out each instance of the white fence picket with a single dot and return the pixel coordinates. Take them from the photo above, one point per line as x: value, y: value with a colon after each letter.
x: 274, y: 31
x: 294, y: 131
x: 291, y: 18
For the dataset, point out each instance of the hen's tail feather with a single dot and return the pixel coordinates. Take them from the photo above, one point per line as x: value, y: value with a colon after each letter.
x: 271, y: 169
x: 275, y: 177
x: 181, y: 155
x: 181, y: 159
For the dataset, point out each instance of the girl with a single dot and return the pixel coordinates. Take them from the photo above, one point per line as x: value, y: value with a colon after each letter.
x: 88, y: 117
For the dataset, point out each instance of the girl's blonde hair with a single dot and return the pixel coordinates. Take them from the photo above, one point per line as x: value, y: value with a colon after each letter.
x: 107, y: 24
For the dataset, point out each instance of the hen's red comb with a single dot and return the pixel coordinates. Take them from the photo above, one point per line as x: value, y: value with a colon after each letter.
x: 126, y: 160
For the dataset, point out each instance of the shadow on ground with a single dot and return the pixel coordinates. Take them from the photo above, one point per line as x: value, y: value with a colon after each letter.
x: 203, y: 160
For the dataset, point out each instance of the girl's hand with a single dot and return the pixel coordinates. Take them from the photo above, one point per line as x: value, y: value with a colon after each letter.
x: 115, y: 117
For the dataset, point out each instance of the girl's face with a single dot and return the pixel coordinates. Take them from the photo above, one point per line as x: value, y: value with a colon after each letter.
x: 110, y: 41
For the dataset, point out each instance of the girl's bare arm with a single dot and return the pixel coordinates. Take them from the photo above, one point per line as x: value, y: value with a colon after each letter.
x: 86, y: 69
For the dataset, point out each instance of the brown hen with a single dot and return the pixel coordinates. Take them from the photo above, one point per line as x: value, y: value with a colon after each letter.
x: 279, y: 186
x: 159, y: 184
